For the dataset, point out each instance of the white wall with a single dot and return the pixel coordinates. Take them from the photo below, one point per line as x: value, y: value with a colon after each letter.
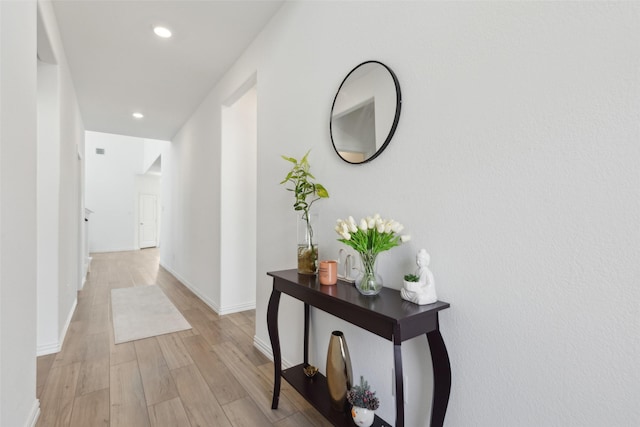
x: 152, y: 149
x: 192, y: 211
x: 238, y: 179
x: 26, y: 236
x: 111, y: 190
x: 514, y: 164
x: 48, y: 196
x: 18, y: 239
x: 60, y: 193
x: 71, y: 213
x: 113, y: 186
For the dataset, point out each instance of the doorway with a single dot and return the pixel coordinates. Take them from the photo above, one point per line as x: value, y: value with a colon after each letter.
x: 148, y: 224
x: 239, y: 200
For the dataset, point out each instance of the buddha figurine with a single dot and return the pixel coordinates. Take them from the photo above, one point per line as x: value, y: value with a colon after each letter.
x: 424, y: 291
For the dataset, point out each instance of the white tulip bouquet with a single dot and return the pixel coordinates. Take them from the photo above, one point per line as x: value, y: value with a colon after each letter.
x: 369, y: 237
x: 372, y: 234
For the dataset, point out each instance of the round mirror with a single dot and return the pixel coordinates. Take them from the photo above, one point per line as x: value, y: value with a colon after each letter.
x: 365, y: 112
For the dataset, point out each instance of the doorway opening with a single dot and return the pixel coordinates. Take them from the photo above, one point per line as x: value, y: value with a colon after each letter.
x: 149, y: 189
x: 239, y: 199
x: 148, y: 216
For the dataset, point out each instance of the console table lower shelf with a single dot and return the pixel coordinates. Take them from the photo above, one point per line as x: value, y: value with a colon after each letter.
x: 315, y: 391
x: 386, y: 315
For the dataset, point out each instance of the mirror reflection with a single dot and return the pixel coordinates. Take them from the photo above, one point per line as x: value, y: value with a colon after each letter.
x: 365, y: 112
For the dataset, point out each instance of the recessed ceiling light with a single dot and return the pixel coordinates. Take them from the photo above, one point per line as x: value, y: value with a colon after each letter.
x: 163, y: 32
x: 138, y: 115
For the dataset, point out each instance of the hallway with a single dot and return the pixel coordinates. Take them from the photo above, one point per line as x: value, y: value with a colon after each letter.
x: 210, y: 375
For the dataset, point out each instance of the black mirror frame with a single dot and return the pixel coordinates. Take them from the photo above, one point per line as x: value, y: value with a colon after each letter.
x: 396, y: 119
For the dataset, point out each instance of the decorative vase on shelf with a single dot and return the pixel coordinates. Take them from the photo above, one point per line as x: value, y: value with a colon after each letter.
x: 339, y: 374
x: 369, y: 282
x: 370, y: 236
x: 362, y: 416
x: 307, y: 246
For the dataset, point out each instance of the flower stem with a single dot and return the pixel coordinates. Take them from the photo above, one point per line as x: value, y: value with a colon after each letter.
x: 368, y: 263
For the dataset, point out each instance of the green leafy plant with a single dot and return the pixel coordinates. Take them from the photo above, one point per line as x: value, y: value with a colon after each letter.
x: 306, y: 192
x: 361, y: 396
x: 302, y: 185
x: 411, y: 278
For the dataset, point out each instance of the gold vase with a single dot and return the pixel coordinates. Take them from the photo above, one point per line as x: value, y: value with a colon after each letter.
x: 339, y: 375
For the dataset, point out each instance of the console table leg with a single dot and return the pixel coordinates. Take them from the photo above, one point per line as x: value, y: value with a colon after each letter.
x: 306, y: 334
x: 397, y: 359
x: 441, y: 377
x: 272, y: 326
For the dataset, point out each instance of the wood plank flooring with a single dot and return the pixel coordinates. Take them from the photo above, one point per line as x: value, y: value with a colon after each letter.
x: 208, y: 376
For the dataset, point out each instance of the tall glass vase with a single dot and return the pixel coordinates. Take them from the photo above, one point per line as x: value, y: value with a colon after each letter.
x: 307, y: 246
x: 339, y: 374
x: 369, y: 281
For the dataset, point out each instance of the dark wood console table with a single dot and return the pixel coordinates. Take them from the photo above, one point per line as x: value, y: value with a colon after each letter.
x: 386, y: 315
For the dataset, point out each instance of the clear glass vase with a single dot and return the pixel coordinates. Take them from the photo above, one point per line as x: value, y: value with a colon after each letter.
x: 307, y: 246
x: 369, y: 281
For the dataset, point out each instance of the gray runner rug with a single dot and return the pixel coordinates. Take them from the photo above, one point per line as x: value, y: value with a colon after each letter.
x: 142, y: 312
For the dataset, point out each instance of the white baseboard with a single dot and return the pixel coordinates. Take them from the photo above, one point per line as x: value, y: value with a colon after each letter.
x: 265, y: 349
x: 34, y: 414
x: 68, y: 322
x: 237, y: 308
x: 85, y: 271
x: 212, y: 304
x: 262, y: 346
x: 43, y: 350
x: 107, y: 250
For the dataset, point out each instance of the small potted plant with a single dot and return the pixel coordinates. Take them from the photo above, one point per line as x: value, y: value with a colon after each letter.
x: 364, y: 402
x: 412, y: 282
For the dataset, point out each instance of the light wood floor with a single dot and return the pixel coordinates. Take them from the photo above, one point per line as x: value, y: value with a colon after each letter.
x: 208, y: 376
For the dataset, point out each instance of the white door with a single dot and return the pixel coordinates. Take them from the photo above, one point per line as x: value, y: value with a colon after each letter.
x: 148, y: 237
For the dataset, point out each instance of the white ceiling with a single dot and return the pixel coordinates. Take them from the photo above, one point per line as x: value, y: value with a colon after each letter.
x: 119, y: 65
